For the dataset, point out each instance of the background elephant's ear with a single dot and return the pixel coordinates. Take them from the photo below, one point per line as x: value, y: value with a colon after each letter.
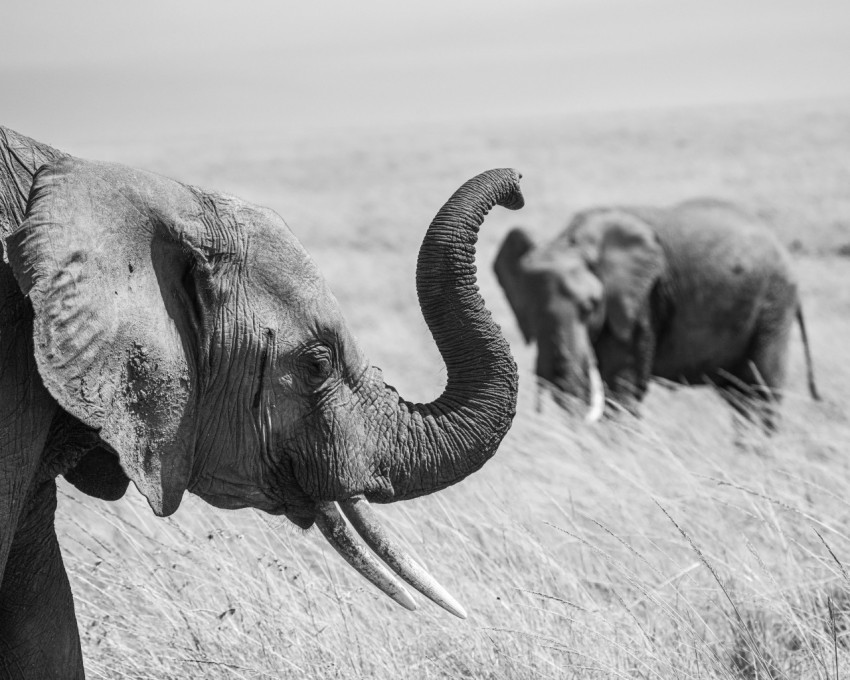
x: 101, y: 256
x: 513, y: 279
x: 624, y: 252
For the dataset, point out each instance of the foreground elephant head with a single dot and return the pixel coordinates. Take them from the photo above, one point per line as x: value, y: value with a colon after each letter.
x: 191, y: 343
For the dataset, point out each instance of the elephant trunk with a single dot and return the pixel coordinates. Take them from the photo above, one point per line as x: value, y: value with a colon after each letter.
x: 432, y: 446
x: 566, y: 361
x: 452, y: 437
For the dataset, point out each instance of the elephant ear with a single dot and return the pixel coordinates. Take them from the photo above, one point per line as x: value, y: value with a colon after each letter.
x: 624, y: 252
x: 108, y: 257
x: 512, y: 278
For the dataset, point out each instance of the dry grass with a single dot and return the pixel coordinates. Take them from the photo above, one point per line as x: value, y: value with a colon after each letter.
x: 675, y: 546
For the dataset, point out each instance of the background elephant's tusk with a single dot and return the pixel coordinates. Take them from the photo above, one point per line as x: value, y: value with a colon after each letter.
x: 597, y: 396
x: 342, y: 538
x: 365, y: 521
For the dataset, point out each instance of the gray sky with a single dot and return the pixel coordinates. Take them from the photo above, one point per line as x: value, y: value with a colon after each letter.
x: 85, y: 70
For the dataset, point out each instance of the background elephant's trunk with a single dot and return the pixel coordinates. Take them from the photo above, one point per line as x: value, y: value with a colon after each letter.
x: 436, y: 445
x: 566, y: 361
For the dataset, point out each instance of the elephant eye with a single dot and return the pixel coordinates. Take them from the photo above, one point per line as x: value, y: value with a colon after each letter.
x: 587, y: 307
x: 317, y: 364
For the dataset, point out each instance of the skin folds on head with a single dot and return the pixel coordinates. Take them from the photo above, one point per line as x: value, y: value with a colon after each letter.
x: 185, y: 340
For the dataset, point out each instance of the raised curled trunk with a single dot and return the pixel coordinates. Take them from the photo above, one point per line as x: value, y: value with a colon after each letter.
x: 442, y: 442
x: 422, y: 448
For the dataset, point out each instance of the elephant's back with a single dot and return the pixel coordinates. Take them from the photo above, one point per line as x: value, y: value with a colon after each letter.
x: 703, y: 227
x: 727, y: 270
x: 714, y: 245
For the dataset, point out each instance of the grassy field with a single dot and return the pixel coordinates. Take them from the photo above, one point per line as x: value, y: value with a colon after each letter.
x: 673, y: 546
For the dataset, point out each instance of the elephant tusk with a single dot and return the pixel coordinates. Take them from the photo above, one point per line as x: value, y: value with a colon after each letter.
x: 597, y: 396
x: 344, y: 541
x: 365, y: 521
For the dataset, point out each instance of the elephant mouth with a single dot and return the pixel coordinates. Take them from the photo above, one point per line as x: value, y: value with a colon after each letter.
x: 344, y: 523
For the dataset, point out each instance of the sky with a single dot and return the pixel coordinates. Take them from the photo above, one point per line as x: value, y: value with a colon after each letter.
x: 81, y: 71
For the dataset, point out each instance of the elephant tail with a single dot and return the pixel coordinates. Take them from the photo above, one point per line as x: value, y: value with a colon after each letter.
x: 810, y: 372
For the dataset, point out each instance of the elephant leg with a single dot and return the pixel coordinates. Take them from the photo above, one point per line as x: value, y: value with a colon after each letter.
x: 624, y: 392
x: 749, y: 393
x: 626, y: 368
x: 768, y: 365
x: 748, y: 405
x: 753, y: 401
x: 643, y: 352
x: 765, y: 370
x: 38, y: 627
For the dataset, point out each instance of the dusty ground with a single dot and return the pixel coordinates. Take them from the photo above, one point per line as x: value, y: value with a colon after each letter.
x: 671, y: 546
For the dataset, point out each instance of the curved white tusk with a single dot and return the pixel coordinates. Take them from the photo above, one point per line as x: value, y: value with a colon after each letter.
x: 597, y: 396
x: 342, y: 538
x: 365, y: 521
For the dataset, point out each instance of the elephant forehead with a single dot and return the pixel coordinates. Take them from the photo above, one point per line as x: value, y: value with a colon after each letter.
x: 551, y: 259
x: 278, y: 265
x: 564, y: 270
x: 287, y: 290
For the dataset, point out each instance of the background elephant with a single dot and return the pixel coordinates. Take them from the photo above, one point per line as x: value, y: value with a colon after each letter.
x: 696, y: 293
x: 184, y: 340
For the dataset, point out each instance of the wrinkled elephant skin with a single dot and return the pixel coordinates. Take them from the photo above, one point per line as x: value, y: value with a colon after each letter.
x: 155, y: 333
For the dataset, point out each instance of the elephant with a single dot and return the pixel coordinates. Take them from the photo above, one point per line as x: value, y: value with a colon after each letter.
x: 699, y: 292
x: 184, y: 340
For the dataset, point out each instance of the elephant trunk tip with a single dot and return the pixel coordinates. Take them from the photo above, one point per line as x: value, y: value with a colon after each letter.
x: 512, y: 199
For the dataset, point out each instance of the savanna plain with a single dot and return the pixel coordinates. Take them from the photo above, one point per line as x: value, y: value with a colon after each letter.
x: 682, y: 544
